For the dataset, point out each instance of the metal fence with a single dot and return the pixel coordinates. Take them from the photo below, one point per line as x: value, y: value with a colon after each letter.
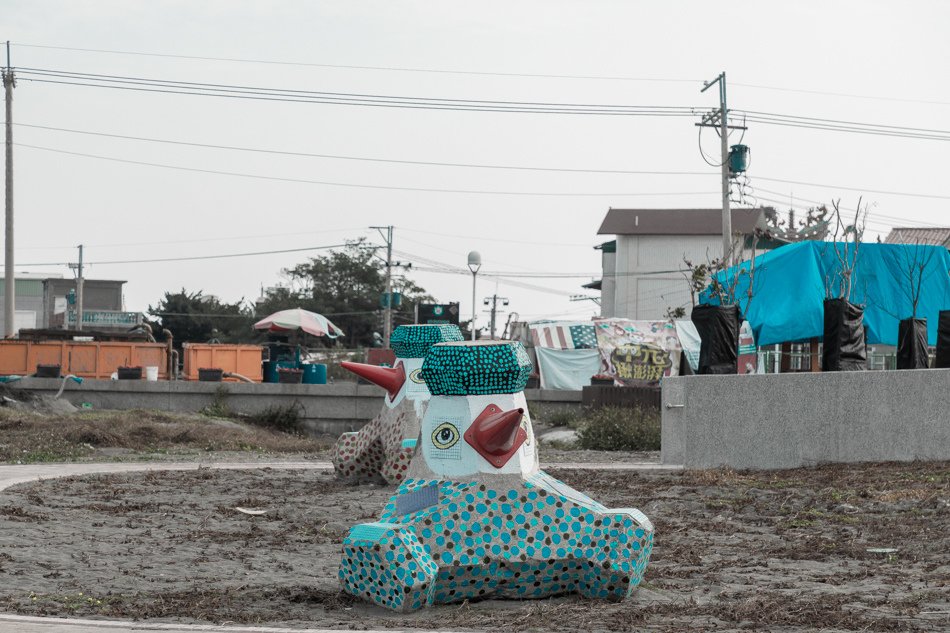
x: 800, y: 361
x: 644, y: 397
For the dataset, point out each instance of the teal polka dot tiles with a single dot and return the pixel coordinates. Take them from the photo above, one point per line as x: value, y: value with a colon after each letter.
x: 525, y: 542
x: 473, y: 368
x: 414, y: 341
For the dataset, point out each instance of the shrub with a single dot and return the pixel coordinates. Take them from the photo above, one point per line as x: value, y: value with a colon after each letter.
x: 286, y: 419
x: 218, y: 408
x: 620, y: 429
x: 562, y: 418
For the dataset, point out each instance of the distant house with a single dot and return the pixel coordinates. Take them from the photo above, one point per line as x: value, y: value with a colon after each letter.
x: 935, y: 236
x: 44, y: 301
x: 642, y: 266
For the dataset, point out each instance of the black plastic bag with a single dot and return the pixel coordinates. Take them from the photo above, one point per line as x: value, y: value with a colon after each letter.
x: 718, y: 328
x: 912, y: 344
x: 942, y: 361
x: 844, y: 347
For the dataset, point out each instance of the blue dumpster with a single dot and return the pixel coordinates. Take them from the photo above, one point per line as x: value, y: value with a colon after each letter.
x: 315, y: 374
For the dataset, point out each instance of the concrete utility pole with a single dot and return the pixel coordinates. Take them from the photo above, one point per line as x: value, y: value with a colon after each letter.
x: 80, y: 282
x: 9, y: 288
x: 494, y: 309
x: 387, y: 233
x: 388, y: 318
x: 720, y: 119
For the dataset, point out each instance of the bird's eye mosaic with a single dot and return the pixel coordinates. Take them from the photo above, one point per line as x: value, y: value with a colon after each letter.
x: 445, y: 436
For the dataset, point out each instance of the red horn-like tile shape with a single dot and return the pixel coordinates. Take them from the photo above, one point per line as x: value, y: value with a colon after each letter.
x: 389, y: 378
x: 497, y: 434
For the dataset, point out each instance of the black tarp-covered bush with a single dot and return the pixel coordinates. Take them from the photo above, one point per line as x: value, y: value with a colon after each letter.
x: 912, y: 344
x: 942, y: 361
x: 718, y: 329
x: 844, y: 347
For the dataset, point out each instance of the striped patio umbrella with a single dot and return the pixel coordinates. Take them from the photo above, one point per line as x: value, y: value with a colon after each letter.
x: 298, y: 319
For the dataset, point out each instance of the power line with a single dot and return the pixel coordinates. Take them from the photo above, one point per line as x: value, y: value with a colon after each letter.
x: 479, y: 73
x: 817, y: 120
x: 858, y: 189
x: 369, y: 159
x: 838, y: 94
x: 474, y: 105
x: 191, y: 258
x: 341, y: 98
x: 886, y: 220
x: 494, y: 239
x: 464, y: 165
x: 874, y: 129
x: 357, y: 67
x: 365, y: 186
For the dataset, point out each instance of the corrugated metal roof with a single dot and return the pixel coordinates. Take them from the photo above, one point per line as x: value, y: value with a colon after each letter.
x: 935, y: 235
x: 679, y: 221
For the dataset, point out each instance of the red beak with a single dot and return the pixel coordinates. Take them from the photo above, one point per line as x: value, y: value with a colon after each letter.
x: 389, y: 378
x: 497, y: 434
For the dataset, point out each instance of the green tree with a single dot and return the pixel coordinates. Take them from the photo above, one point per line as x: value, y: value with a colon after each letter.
x: 345, y: 286
x: 193, y: 317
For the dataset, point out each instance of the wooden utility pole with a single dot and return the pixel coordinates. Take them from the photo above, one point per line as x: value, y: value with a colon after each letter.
x: 9, y: 288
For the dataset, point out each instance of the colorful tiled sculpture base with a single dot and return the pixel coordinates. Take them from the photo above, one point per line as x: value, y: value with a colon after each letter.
x: 530, y: 541
x: 477, y: 518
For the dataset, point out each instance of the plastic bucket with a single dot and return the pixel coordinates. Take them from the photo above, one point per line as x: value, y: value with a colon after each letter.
x: 151, y: 373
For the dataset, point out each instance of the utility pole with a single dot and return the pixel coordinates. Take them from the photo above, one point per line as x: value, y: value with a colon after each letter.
x: 720, y: 119
x: 9, y: 288
x: 494, y: 309
x: 387, y: 234
x: 80, y: 282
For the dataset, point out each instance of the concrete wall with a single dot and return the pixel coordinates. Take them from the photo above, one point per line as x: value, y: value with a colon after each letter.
x: 776, y: 421
x: 333, y: 409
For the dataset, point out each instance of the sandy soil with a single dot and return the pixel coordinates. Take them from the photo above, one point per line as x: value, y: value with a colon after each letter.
x: 784, y: 551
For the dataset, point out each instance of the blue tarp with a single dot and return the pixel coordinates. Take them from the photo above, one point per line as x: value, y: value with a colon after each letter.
x: 790, y: 287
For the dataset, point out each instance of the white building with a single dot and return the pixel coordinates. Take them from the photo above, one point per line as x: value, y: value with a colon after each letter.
x: 643, y: 266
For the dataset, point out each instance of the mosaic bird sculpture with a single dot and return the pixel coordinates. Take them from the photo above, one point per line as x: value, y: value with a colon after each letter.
x: 383, y: 448
x: 476, y: 517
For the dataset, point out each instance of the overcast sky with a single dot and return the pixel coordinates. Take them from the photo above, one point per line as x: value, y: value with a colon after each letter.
x: 865, y: 61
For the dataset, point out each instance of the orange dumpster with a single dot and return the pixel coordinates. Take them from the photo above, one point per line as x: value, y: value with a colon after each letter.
x: 87, y: 359
x: 233, y: 359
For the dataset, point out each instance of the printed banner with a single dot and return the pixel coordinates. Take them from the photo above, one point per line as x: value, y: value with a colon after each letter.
x: 637, y: 353
x: 563, y: 334
x: 748, y: 358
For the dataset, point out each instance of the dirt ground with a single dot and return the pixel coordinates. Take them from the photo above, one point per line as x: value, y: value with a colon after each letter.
x: 784, y: 551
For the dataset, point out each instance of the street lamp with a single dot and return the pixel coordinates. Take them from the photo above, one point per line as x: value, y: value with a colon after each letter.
x: 474, y: 263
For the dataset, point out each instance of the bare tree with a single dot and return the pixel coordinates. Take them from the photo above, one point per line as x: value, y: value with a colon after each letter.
x: 725, y: 278
x: 909, y: 269
x: 846, y: 241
